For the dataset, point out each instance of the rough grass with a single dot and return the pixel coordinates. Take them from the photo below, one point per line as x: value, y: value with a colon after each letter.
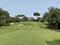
x: 30, y: 33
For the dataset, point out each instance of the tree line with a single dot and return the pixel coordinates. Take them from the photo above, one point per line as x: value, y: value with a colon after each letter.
x: 6, y: 19
x: 52, y: 18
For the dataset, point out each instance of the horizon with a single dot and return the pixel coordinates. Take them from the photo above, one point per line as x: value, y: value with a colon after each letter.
x: 28, y: 7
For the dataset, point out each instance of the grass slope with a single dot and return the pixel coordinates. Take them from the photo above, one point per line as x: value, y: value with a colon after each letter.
x: 30, y: 33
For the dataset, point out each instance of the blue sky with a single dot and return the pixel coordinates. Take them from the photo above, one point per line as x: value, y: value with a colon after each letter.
x: 28, y: 7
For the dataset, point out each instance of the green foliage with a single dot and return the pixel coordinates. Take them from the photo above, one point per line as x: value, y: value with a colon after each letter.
x: 53, y: 17
x: 12, y: 19
x: 36, y: 14
x: 4, y: 17
x: 38, y: 19
x: 25, y: 18
x: 45, y: 17
x: 21, y: 18
x: 17, y: 19
x: 31, y: 19
x: 20, y: 15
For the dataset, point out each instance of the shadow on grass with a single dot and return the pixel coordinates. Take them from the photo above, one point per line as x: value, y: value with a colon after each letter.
x: 57, y: 30
x: 55, y: 42
x: 47, y: 28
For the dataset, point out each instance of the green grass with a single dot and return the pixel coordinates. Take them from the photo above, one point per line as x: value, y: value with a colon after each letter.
x: 30, y: 33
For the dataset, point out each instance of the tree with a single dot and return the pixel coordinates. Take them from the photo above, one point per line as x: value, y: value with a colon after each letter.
x: 4, y: 17
x: 19, y: 17
x: 53, y: 17
x: 25, y: 18
x: 36, y: 14
x: 31, y: 19
x: 45, y: 17
x: 38, y: 19
x: 12, y: 19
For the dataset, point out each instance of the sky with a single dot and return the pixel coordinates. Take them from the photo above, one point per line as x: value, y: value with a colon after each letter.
x: 28, y: 7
